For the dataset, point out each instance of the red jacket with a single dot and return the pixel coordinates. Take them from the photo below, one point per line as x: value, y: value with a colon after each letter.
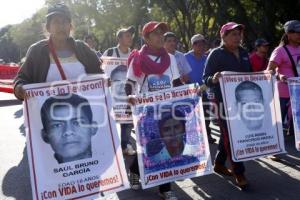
x: 258, y: 63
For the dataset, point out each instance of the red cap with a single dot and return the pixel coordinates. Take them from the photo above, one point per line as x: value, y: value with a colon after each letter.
x: 229, y: 26
x: 152, y: 25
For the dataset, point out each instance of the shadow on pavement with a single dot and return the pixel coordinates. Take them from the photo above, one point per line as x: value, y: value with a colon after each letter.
x: 16, y: 182
x: 19, y: 114
x: 267, y: 179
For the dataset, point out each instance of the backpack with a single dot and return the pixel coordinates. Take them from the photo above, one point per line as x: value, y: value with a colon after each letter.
x: 110, y: 52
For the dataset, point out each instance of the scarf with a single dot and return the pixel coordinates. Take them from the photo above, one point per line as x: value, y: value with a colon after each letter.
x: 142, y: 63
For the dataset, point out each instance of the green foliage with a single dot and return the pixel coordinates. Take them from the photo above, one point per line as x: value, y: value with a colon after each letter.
x: 29, y: 31
x: 185, y: 17
x: 8, y: 49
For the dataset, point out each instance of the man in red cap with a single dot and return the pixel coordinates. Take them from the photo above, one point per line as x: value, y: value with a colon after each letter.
x: 230, y: 56
x: 152, y: 69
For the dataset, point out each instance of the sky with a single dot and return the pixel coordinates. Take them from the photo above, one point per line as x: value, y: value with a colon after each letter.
x: 15, y: 11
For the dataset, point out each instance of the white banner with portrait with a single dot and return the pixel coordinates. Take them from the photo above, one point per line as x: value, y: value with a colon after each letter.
x: 252, y: 108
x: 72, y: 143
x: 294, y: 88
x: 116, y: 69
x: 171, y: 136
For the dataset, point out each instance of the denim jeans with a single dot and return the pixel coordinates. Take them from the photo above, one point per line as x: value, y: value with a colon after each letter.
x: 206, y: 110
x: 284, y: 107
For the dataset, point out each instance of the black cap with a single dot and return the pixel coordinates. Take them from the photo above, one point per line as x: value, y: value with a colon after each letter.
x: 261, y: 42
x: 292, y: 26
x: 130, y: 29
x: 59, y: 9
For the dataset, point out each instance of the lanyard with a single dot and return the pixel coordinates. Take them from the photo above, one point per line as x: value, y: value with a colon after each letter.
x: 56, y: 60
x: 292, y: 61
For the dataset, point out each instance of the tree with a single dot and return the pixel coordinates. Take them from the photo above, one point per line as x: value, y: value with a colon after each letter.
x: 8, y: 49
x: 29, y: 31
x: 103, y: 18
x: 261, y: 18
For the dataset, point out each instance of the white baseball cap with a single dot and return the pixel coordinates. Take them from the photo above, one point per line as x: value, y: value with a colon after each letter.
x: 197, y: 37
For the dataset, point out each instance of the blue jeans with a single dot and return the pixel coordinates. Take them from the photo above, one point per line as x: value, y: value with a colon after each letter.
x: 284, y: 107
x: 284, y: 102
x: 125, y: 134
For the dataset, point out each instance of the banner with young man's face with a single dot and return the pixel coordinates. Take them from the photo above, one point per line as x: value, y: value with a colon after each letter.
x: 171, y: 136
x: 252, y: 113
x: 116, y: 70
x: 72, y: 142
x: 294, y: 88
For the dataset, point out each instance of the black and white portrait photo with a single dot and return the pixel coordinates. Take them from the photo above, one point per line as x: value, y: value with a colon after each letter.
x: 118, y: 77
x: 253, y: 117
x: 71, y: 136
x: 250, y: 103
x: 68, y: 127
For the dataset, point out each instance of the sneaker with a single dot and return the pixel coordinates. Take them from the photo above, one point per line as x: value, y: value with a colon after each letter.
x: 274, y: 158
x: 170, y: 195
x: 240, y: 180
x: 129, y: 150
x: 134, y: 180
x: 221, y: 169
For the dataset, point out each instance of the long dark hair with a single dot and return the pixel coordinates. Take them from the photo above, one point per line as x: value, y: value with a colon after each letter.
x: 284, y: 40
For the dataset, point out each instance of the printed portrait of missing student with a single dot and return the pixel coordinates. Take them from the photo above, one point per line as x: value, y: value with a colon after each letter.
x: 295, y: 94
x: 172, y: 136
x: 250, y: 103
x: 118, y: 77
x: 68, y: 127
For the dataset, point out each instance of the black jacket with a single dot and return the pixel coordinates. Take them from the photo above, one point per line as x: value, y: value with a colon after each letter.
x: 219, y: 60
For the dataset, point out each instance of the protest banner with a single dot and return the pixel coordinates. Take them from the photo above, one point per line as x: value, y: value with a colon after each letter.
x: 7, y: 74
x: 294, y: 88
x: 72, y: 143
x: 116, y: 69
x: 171, y: 136
x: 252, y: 108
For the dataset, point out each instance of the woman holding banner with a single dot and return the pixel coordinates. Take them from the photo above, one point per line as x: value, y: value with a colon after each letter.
x: 286, y: 60
x: 153, y: 69
x: 57, y: 57
x: 230, y: 56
